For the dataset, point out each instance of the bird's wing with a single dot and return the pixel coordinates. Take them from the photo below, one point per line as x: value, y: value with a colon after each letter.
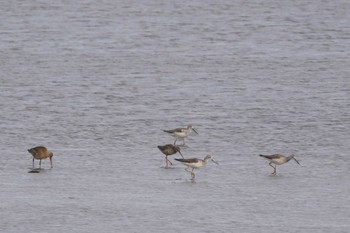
x: 169, y: 131
x: 194, y: 160
x: 177, y: 130
x: 275, y: 156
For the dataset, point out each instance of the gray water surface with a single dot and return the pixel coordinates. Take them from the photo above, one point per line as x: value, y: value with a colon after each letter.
x: 97, y: 81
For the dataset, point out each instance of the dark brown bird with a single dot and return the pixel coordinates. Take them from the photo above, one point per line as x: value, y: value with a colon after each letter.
x: 169, y: 149
x: 40, y: 152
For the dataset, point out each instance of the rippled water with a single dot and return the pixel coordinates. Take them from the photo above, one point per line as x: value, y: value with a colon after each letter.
x: 97, y: 81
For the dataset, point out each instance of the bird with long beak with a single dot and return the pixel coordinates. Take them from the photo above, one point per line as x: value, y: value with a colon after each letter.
x: 195, y: 163
x: 180, y: 133
x: 41, y: 152
x: 278, y: 159
x: 169, y: 149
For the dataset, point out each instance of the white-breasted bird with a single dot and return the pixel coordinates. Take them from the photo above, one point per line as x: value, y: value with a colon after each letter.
x: 278, y: 159
x: 180, y: 133
x: 195, y: 163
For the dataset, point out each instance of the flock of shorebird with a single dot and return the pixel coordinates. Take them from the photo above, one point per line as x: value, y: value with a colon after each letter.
x: 170, y: 149
x: 41, y: 152
x: 195, y: 163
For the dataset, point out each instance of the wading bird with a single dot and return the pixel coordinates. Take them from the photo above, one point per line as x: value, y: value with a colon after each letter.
x: 195, y: 163
x: 169, y: 149
x: 40, y: 152
x: 180, y: 133
x: 278, y: 159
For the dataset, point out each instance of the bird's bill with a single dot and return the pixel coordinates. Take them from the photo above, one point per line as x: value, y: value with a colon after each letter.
x: 296, y: 161
x: 194, y: 130
x: 214, y: 161
x: 181, y: 155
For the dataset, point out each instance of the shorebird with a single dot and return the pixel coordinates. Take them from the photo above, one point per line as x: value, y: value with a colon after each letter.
x: 40, y: 152
x: 180, y: 133
x: 278, y: 159
x: 195, y: 163
x: 169, y: 149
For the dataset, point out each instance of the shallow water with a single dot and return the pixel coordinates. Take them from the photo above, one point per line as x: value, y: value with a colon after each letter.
x: 96, y: 82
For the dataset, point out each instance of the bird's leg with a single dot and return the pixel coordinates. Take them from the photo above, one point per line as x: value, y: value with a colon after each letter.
x: 192, y: 174
x: 40, y: 163
x: 274, y: 171
x: 175, y: 140
x: 183, y: 141
x: 186, y: 169
x: 33, y: 162
x: 51, y: 161
x: 274, y: 168
x: 168, y: 161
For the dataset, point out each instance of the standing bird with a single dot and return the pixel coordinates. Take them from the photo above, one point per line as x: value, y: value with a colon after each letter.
x: 169, y: 149
x: 40, y: 152
x: 278, y: 159
x: 195, y: 164
x: 180, y: 133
